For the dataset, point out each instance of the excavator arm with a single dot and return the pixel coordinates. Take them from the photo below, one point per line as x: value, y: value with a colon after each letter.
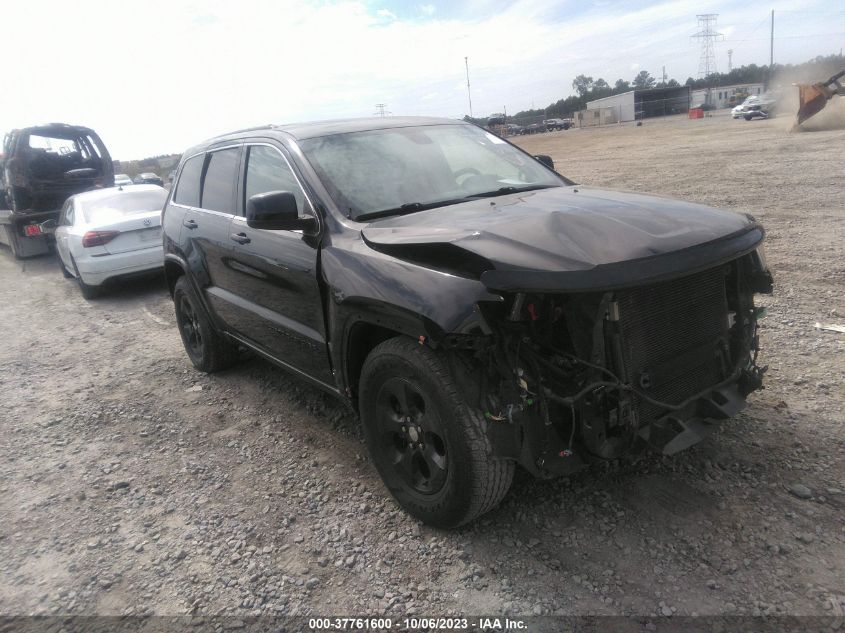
x: 813, y: 98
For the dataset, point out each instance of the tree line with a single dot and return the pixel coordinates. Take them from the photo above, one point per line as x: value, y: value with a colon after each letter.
x: 589, y: 89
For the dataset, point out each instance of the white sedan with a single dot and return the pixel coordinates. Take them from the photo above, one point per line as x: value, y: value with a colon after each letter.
x: 109, y: 233
x: 121, y: 180
x: 739, y: 111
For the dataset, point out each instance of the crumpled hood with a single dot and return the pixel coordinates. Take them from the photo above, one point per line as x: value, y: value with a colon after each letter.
x: 563, y: 229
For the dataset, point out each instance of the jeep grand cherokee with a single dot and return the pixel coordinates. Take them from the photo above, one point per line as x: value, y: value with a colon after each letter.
x: 476, y: 308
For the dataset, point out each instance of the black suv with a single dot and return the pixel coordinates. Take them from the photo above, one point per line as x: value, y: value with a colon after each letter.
x: 475, y: 307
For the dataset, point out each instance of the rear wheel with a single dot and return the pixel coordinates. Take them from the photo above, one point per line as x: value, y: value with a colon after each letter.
x: 12, y: 238
x: 426, y: 442
x: 88, y: 292
x: 207, y: 349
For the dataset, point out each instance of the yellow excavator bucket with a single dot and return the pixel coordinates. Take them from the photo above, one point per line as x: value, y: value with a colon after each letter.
x: 812, y: 98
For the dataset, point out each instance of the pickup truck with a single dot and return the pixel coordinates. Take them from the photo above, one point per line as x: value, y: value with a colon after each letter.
x: 40, y: 168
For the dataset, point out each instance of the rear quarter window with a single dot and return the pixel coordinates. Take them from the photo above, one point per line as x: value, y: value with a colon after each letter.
x: 220, y: 181
x: 188, y: 185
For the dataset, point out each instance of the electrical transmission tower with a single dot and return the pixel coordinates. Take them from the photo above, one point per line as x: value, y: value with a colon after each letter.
x: 380, y: 110
x: 708, y: 36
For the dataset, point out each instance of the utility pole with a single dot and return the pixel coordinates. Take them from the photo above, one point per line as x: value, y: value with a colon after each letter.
x: 730, y: 60
x: 664, y: 76
x: 469, y: 93
x: 771, y: 53
x: 772, y: 42
x: 708, y: 36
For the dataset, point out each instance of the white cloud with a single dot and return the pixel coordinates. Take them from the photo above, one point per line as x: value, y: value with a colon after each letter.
x: 428, y: 9
x: 181, y: 71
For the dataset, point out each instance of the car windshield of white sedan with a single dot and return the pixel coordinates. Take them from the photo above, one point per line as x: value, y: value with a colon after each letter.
x: 402, y: 170
x: 122, y: 204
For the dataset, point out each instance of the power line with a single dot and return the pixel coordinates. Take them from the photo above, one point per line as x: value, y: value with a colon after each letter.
x: 786, y: 37
x: 753, y: 31
x: 380, y: 110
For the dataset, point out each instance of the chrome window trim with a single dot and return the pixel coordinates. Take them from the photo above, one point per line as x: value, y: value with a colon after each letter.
x: 246, y: 144
x: 187, y: 208
x: 212, y: 212
x: 179, y: 177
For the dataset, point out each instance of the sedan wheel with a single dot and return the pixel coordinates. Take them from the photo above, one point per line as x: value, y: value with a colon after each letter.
x: 88, y: 292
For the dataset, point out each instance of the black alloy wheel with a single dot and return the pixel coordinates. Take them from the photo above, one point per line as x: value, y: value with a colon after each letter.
x: 427, y: 443
x: 189, y: 326
x: 411, y: 435
x: 208, y: 350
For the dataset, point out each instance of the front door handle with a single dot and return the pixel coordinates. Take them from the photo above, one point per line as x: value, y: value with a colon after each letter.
x: 191, y: 224
x: 240, y: 238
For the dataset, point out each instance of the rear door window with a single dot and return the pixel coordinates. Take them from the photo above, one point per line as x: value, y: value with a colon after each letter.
x: 220, y: 180
x: 188, y: 187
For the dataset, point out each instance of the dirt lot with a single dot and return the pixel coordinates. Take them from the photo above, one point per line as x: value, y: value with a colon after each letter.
x: 132, y: 484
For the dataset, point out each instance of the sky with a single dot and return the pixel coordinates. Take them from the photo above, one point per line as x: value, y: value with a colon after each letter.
x: 158, y: 76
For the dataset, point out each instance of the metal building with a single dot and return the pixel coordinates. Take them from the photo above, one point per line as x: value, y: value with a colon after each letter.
x: 724, y: 96
x: 635, y: 105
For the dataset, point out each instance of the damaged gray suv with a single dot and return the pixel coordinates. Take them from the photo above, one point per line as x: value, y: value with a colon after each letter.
x: 478, y: 310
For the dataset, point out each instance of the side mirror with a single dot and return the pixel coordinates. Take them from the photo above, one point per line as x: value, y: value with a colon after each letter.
x: 48, y: 226
x: 546, y: 160
x: 276, y: 211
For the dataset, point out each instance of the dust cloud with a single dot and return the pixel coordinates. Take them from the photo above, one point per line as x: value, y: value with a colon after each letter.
x: 831, y: 118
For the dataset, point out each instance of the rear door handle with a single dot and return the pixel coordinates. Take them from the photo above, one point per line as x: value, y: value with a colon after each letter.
x: 191, y: 224
x: 240, y: 238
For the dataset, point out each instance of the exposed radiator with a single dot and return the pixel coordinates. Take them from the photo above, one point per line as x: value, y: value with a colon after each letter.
x: 674, y: 337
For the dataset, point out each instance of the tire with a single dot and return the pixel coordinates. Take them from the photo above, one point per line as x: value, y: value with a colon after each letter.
x: 65, y: 272
x: 206, y: 348
x: 12, y: 238
x: 427, y: 444
x: 88, y: 292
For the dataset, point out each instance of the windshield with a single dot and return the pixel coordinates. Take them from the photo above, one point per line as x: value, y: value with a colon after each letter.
x: 405, y: 169
x: 122, y: 204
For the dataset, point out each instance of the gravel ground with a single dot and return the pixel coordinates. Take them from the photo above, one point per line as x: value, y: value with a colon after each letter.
x: 131, y: 484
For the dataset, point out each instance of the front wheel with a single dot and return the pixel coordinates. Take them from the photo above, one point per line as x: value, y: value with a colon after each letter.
x: 427, y: 443
x: 207, y: 349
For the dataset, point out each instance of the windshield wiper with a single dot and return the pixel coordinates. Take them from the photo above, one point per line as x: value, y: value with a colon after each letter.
x: 503, y: 191
x: 410, y: 207
x: 413, y: 207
